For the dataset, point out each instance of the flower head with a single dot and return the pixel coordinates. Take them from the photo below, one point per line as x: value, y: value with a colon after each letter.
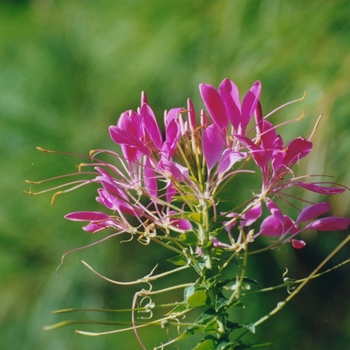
x: 171, y: 183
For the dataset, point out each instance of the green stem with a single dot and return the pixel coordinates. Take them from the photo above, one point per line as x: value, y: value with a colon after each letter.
x: 147, y: 293
x: 283, y: 285
x: 280, y: 305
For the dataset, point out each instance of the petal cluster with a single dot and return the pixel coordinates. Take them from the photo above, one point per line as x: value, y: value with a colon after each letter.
x: 166, y: 179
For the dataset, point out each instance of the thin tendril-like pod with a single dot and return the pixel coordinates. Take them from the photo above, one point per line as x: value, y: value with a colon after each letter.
x: 304, y: 282
x: 146, y: 279
x: 74, y: 322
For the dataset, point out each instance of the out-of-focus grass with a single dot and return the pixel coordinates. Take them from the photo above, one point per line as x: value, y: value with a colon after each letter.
x: 67, y: 71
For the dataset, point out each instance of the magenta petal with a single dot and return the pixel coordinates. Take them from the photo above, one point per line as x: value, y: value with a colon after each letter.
x: 177, y: 171
x: 97, y: 226
x: 87, y: 216
x: 170, y: 192
x: 124, y: 138
x: 321, y: 189
x: 149, y: 179
x: 228, y: 159
x: 212, y: 144
x: 113, y: 188
x: 204, y: 119
x: 271, y: 227
x: 104, y: 174
x: 218, y: 244
x: 191, y: 114
x: 274, y: 210
x: 151, y: 125
x: 268, y: 138
x: 143, y: 98
x: 173, y: 114
x: 296, y: 149
x: 108, y: 200
x: 182, y: 224
x: 249, y: 105
x: 232, y: 224
x: 278, y: 153
x: 297, y: 244
x: 313, y: 211
x: 252, y: 215
x: 332, y: 223
x: 214, y: 104
x: 259, y: 119
x: 171, y: 139
x: 130, y: 121
x: 230, y: 95
x: 258, y: 154
x: 290, y: 227
x: 117, y: 202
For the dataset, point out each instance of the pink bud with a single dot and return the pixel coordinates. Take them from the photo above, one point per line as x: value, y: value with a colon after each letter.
x: 297, y: 244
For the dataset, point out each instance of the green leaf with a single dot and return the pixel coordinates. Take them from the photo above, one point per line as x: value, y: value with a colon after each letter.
x: 208, y: 344
x: 233, y: 325
x: 190, y: 331
x: 260, y: 345
x: 197, y: 299
x: 178, y: 260
x: 215, y: 328
x: 251, y: 280
x: 206, y: 316
x: 178, y: 309
x: 185, y: 198
x: 250, y: 327
x: 240, y: 346
x: 246, y: 281
x: 189, y: 238
x: 197, y: 217
x: 226, y: 345
x: 188, y: 291
x: 221, y: 252
x: 220, y: 302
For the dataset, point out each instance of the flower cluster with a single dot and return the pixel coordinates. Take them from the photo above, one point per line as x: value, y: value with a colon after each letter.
x: 190, y: 163
x: 166, y: 189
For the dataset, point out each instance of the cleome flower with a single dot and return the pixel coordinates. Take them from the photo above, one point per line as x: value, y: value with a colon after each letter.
x: 165, y: 187
x: 166, y: 190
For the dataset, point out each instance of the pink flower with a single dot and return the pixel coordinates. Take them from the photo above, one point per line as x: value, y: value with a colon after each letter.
x: 169, y: 184
x: 98, y: 221
x: 212, y: 144
x: 151, y: 126
x: 224, y: 105
x: 281, y: 225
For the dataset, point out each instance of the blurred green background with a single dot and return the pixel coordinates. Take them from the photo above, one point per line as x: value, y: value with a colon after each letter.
x: 69, y: 68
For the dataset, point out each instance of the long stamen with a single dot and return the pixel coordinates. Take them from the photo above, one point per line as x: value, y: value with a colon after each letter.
x: 286, y: 104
